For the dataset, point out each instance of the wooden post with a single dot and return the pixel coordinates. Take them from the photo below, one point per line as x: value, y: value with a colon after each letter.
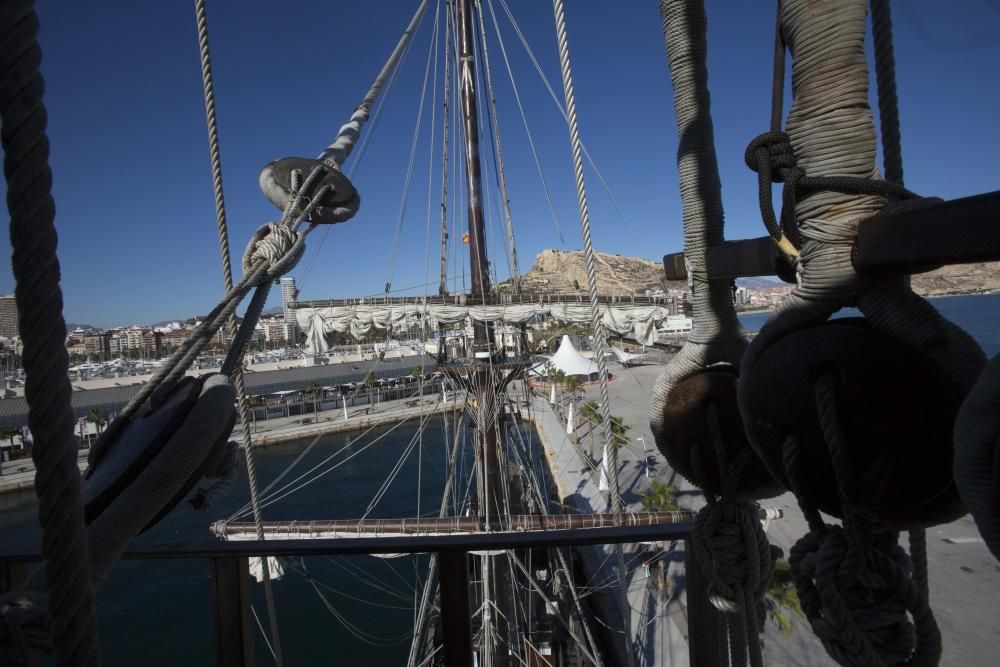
x: 231, y: 598
x: 704, y: 623
x: 456, y: 621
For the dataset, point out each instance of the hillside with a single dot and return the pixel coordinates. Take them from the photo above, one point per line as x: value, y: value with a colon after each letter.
x: 561, y: 272
x: 564, y: 272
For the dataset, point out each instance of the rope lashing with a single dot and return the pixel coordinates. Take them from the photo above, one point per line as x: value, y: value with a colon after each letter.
x: 728, y: 539
x: 35, y: 264
x: 772, y: 157
x: 269, y: 244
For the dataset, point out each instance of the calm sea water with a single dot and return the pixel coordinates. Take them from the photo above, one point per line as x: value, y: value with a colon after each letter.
x: 978, y: 314
x: 159, y: 613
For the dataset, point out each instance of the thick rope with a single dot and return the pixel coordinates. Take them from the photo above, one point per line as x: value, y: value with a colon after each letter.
x: 227, y: 274
x: 732, y: 549
x: 597, y: 325
x: 727, y: 538
x: 23, y: 120
x: 888, y: 103
x: 716, y: 335
x: 854, y: 581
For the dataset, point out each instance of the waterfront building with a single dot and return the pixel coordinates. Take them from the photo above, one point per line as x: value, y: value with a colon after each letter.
x: 289, y: 295
x: 8, y: 316
x: 97, y: 345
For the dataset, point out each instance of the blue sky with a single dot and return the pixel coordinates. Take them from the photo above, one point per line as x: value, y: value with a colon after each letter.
x: 133, y: 193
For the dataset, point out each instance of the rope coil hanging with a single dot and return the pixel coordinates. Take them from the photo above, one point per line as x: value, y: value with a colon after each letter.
x: 857, y: 586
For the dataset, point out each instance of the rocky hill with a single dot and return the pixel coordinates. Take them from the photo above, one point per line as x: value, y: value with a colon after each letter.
x: 564, y: 272
x: 959, y: 279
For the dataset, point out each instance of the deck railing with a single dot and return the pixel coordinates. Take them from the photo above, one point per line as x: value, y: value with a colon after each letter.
x: 231, y: 588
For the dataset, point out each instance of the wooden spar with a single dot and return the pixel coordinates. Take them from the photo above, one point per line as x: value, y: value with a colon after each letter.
x: 454, y: 525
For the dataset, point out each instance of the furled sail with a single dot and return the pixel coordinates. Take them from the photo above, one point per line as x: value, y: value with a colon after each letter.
x: 635, y: 321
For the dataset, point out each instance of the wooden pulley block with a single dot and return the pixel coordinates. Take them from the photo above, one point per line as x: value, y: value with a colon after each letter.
x: 175, y: 438
x: 686, y: 427
x: 887, y: 401
x: 276, y: 184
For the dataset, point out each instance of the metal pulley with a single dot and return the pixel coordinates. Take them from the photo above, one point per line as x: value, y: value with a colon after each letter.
x: 688, y: 437
x: 339, y: 203
x: 162, y: 451
x: 887, y: 407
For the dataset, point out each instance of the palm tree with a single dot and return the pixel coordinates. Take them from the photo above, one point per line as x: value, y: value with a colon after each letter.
x: 418, y: 372
x: 370, y: 383
x: 8, y: 434
x: 314, y: 390
x: 619, y: 432
x: 780, y: 601
x: 660, y: 497
x: 98, y: 419
x: 590, y: 413
x: 573, y: 385
x: 254, y: 402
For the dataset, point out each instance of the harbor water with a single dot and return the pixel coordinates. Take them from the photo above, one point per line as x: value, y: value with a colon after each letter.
x: 332, y: 610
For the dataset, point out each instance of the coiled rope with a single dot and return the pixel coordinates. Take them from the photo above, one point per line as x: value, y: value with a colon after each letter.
x: 23, y: 120
x: 597, y: 325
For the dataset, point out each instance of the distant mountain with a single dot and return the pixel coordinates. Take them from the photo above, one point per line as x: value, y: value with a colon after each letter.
x: 70, y: 326
x: 564, y: 272
x: 759, y: 283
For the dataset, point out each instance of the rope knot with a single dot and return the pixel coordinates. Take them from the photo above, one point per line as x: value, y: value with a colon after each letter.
x: 25, y: 630
x: 733, y: 550
x: 771, y: 154
x: 276, y: 245
x: 863, y: 617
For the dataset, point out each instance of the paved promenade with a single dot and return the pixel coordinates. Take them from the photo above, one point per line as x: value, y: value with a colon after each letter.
x: 964, y: 576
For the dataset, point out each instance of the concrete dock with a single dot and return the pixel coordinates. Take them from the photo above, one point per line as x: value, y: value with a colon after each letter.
x: 964, y: 576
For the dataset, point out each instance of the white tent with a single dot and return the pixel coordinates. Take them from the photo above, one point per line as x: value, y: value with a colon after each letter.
x: 569, y: 361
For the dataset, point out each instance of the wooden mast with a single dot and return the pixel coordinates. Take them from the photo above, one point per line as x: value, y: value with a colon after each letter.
x: 484, y: 380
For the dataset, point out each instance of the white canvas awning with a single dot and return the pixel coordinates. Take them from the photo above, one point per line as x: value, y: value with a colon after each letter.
x: 569, y: 361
